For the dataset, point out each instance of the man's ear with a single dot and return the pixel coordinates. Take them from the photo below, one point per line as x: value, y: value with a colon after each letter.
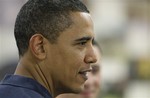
x: 37, y: 46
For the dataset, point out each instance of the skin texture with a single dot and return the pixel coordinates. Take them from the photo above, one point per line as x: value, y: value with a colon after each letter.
x: 57, y: 66
x: 92, y: 85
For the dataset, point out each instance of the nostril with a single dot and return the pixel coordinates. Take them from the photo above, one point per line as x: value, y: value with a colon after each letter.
x: 92, y: 61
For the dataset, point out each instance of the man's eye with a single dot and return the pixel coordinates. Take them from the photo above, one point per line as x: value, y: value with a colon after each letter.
x: 82, y: 43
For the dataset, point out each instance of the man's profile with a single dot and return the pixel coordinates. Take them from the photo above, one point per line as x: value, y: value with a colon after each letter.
x: 92, y: 85
x: 54, y: 39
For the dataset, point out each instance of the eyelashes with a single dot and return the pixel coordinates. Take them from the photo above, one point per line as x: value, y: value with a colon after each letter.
x: 82, y: 43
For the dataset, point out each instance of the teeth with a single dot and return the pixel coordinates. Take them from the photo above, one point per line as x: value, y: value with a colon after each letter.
x: 86, y: 74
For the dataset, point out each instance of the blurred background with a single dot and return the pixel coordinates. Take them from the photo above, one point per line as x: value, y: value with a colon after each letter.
x: 122, y: 28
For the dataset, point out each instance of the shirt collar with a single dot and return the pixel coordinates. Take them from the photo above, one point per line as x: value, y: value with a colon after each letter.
x: 25, y: 82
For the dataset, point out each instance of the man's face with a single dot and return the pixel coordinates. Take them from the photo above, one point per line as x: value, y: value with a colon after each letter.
x: 92, y: 85
x: 68, y: 61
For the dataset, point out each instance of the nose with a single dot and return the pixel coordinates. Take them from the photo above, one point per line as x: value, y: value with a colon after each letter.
x: 90, y: 55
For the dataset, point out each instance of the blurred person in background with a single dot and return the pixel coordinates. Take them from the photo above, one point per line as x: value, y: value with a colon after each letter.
x: 54, y: 39
x: 92, y: 85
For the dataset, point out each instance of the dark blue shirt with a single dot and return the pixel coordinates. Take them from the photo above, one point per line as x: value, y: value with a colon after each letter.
x: 15, y: 86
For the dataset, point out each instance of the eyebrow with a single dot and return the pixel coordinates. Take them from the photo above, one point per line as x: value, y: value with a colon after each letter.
x: 84, y: 39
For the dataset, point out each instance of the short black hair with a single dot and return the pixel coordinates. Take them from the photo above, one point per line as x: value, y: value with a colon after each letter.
x: 47, y: 17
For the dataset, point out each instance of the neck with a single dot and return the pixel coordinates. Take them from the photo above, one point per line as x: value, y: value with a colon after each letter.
x: 28, y: 68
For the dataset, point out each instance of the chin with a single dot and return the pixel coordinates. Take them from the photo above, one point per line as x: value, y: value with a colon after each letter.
x: 77, y: 90
x: 73, y: 90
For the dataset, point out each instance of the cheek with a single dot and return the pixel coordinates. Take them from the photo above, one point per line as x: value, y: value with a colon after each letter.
x: 74, y: 58
x: 72, y: 62
x: 69, y: 60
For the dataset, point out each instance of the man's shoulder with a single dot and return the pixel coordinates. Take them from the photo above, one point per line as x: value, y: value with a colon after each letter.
x: 14, y: 86
x: 10, y: 91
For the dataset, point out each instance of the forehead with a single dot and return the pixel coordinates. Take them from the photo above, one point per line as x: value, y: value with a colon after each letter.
x: 82, y: 18
x: 82, y: 23
x: 82, y: 27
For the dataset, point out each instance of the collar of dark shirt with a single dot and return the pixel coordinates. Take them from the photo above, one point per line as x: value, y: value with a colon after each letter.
x: 25, y: 82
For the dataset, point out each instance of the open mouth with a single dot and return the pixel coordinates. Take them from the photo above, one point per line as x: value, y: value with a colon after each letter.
x: 84, y: 74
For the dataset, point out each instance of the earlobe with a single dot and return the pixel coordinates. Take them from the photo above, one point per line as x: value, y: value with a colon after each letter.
x: 37, y: 46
